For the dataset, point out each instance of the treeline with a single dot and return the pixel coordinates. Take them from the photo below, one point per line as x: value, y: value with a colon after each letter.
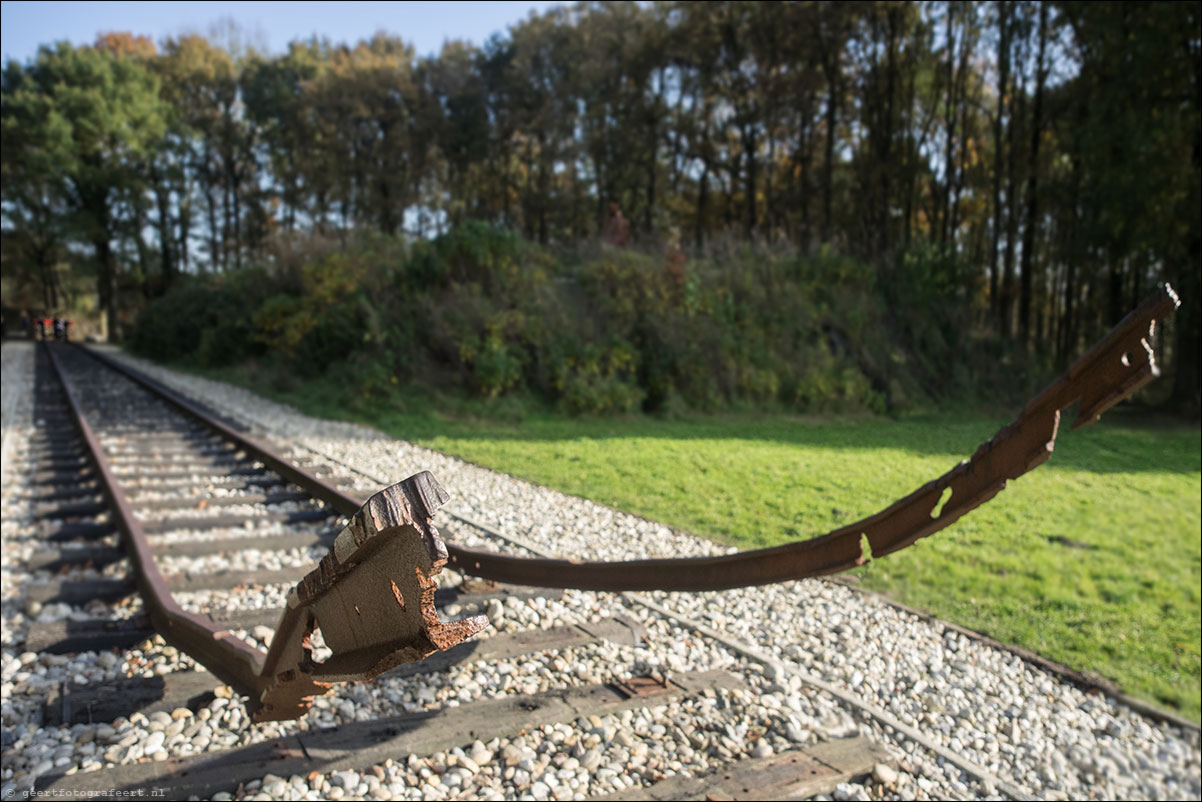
x: 1052, y: 147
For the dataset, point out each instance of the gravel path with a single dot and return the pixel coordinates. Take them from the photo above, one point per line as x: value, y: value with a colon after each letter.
x: 1029, y: 730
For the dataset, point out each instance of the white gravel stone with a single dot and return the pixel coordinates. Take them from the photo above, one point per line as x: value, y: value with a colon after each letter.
x: 884, y: 774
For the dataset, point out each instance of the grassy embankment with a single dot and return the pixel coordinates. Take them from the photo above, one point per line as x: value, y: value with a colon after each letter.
x: 1093, y: 560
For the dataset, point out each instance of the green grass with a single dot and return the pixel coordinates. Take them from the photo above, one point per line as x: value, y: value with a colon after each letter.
x: 1092, y: 560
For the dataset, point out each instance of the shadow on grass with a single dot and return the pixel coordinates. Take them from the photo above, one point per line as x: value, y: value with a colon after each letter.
x: 1106, y: 447
x: 1128, y: 439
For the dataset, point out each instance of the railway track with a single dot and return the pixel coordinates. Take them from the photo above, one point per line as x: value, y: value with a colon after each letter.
x: 569, y: 694
x: 559, y: 684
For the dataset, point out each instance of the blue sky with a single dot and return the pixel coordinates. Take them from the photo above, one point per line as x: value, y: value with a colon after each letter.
x: 26, y: 25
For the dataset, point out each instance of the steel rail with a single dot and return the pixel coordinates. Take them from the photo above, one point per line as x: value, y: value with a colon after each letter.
x: 233, y: 661
x: 1113, y: 369
x: 374, y: 591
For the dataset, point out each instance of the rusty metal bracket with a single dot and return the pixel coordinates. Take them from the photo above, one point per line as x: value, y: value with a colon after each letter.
x: 642, y: 687
x: 373, y: 598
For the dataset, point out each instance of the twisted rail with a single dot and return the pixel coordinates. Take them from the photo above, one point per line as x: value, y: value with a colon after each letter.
x: 391, y: 538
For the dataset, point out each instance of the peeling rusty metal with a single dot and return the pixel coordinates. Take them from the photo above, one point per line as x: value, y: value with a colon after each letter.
x: 642, y: 687
x: 389, y: 552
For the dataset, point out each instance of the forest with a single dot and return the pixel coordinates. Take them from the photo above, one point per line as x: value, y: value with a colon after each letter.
x: 621, y: 204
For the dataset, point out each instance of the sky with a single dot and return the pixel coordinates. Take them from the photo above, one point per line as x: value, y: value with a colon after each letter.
x: 270, y: 25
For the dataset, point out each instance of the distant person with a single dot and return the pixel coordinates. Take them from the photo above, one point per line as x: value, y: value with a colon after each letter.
x: 59, y: 329
x: 27, y: 324
x: 617, y: 228
x: 41, y: 327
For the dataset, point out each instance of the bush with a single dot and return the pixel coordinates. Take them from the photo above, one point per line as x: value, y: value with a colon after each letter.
x: 483, y: 312
x: 496, y: 367
x: 207, y: 319
x: 595, y: 380
x: 322, y: 325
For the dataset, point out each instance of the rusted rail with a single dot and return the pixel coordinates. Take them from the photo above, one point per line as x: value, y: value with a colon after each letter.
x: 374, y: 592
x: 1113, y: 369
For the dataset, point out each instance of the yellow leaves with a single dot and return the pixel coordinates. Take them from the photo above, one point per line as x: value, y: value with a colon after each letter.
x: 974, y: 152
x: 330, y: 279
x: 194, y: 58
x: 283, y: 322
x: 123, y: 44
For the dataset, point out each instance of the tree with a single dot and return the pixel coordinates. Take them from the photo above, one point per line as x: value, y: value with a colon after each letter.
x: 1135, y: 103
x: 1053, y: 146
x: 277, y: 94
x: 87, y: 116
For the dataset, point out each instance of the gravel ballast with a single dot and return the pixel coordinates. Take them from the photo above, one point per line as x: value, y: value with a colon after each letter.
x: 1028, y: 729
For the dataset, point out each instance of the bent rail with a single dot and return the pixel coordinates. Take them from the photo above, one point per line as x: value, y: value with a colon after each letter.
x: 1109, y: 372
x: 392, y: 533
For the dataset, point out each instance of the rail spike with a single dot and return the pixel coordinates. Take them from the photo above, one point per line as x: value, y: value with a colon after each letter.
x: 373, y: 598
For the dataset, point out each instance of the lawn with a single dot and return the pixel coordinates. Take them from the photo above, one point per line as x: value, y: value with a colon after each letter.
x: 1092, y: 560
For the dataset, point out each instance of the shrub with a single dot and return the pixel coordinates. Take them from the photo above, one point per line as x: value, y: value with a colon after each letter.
x: 324, y: 323
x: 595, y: 380
x: 483, y: 312
x: 207, y: 319
x: 496, y: 367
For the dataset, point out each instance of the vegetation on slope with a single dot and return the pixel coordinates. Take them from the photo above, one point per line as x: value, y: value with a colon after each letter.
x: 481, y: 313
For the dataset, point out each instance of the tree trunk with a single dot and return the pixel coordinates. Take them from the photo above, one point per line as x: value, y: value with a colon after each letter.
x: 49, y: 279
x: 886, y: 156
x: 214, y: 231
x: 748, y: 138
x: 649, y: 209
x: 910, y: 171
x: 1031, y: 230
x: 832, y: 80
x: 1006, y: 312
x: 1066, y: 342
x: 185, y: 223
x: 703, y: 185
x: 803, y: 191
x: 235, y: 186
x: 1067, y: 318
x: 1187, y: 383
x: 166, y: 247
x: 1003, y: 56
x: 107, y: 283
x: 225, y: 225
x: 769, y: 206
x: 652, y: 156
x: 958, y: 163
x: 139, y: 214
x: 949, y: 121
